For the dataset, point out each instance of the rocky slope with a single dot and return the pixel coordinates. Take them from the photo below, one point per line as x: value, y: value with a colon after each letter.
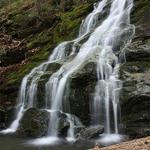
x: 29, y: 32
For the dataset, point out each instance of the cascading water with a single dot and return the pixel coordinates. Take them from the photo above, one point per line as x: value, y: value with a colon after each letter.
x: 28, y: 90
x: 91, y: 20
x: 102, y: 45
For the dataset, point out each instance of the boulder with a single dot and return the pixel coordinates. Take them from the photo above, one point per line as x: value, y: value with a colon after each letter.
x: 34, y: 123
x: 63, y: 124
x: 135, y: 95
x: 91, y: 132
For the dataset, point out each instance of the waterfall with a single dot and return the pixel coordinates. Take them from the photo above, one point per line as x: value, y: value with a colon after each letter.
x: 104, y: 41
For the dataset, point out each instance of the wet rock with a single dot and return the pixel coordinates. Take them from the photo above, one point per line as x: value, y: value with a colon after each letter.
x: 6, y: 116
x: 7, y: 106
x: 51, y: 68
x: 63, y: 124
x: 82, y: 86
x: 91, y: 132
x: 34, y: 123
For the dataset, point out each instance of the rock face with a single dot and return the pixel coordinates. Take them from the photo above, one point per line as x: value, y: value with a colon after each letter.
x: 82, y: 83
x: 135, y: 74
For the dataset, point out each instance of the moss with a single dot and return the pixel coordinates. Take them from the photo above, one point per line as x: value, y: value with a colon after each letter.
x: 24, y: 22
x: 39, y: 39
x: 41, y: 56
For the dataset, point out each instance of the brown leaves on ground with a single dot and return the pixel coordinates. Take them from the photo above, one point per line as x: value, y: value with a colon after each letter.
x: 7, y: 43
x: 139, y: 144
x: 10, y: 45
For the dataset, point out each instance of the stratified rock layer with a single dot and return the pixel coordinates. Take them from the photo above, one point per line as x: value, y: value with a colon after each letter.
x: 135, y: 74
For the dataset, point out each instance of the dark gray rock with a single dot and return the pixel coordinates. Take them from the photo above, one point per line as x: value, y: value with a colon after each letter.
x: 63, y: 124
x: 81, y: 88
x: 34, y: 123
x: 135, y: 74
x: 91, y: 132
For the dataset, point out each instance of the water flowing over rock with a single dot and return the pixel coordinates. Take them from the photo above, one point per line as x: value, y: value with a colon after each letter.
x: 34, y: 123
x: 79, y: 84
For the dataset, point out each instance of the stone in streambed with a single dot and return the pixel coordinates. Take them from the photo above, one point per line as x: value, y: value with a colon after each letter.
x: 91, y: 132
x: 34, y: 123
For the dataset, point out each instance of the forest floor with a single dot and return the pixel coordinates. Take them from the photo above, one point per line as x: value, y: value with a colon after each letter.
x: 138, y: 144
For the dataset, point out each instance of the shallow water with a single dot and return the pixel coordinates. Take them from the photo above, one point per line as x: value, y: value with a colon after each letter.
x: 15, y: 143
x: 11, y: 142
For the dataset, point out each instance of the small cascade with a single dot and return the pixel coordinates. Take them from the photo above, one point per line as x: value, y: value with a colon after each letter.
x: 74, y: 121
x: 99, y: 41
x: 70, y: 134
x: 28, y: 90
x: 92, y: 19
x: 108, y: 86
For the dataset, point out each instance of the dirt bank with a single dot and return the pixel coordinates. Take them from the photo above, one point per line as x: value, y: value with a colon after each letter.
x: 139, y: 144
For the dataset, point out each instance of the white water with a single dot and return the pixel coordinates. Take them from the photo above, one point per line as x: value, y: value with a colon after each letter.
x: 108, y: 86
x: 56, y: 85
x: 101, y: 45
x: 92, y: 19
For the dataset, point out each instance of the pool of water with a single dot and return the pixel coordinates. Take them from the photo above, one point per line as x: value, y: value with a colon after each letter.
x: 12, y: 142
x: 16, y: 143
